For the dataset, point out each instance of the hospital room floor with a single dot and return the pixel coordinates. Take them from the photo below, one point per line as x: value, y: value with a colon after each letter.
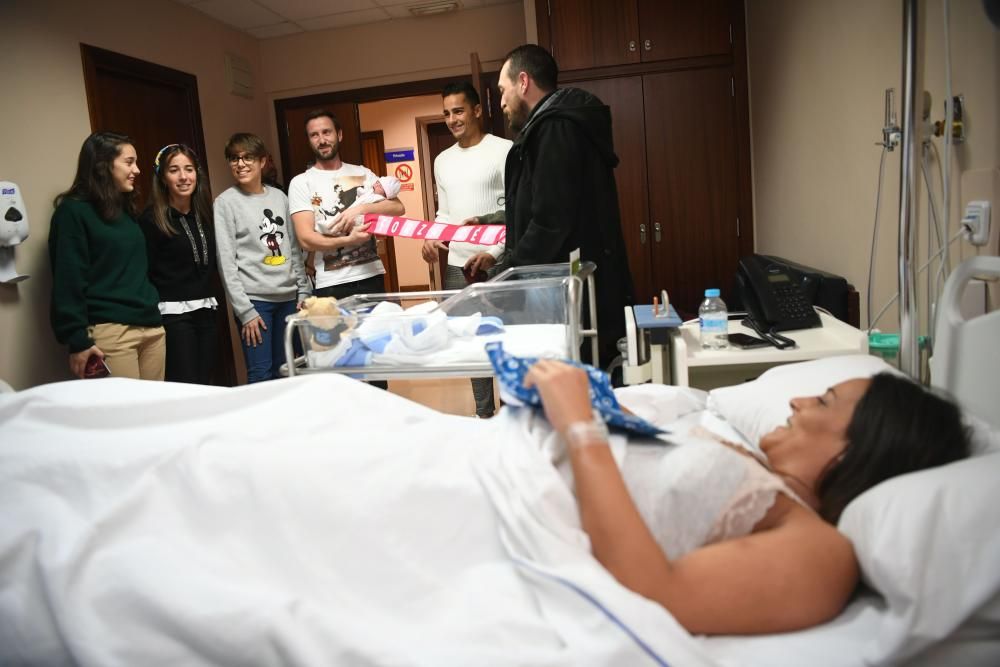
x: 449, y: 395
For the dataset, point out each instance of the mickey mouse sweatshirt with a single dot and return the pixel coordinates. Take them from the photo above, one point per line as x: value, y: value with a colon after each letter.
x: 259, y: 257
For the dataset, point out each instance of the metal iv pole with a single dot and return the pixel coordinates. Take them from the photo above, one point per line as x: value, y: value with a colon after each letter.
x: 909, y: 353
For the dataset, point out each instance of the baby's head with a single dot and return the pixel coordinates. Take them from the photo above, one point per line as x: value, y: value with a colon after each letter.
x: 387, y: 186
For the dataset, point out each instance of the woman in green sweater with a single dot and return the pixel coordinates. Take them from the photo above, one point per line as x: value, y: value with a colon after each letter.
x: 103, y: 304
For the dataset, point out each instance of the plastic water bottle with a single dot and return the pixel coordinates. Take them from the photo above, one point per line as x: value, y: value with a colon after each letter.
x: 713, y: 319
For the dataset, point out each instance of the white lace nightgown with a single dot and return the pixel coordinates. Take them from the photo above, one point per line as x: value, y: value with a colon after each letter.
x: 700, y: 492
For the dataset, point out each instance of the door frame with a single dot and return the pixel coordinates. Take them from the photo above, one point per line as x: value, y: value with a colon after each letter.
x: 96, y: 59
x: 388, y: 254
x: 427, y: 188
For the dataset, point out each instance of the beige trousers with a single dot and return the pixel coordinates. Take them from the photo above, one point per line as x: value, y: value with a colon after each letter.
x: 131, y: 351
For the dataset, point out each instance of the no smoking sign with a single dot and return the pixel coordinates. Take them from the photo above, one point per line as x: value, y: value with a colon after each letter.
x: 404, y: 172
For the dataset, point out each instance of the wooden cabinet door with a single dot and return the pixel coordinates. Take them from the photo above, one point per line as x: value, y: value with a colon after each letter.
x: 684, y: 28
x: 624, y: 96
x: 692, y: 158
x: 591, y: 33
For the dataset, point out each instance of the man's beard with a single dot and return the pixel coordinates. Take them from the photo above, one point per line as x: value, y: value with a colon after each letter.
x: 334, y: 151
x: 517, y: 119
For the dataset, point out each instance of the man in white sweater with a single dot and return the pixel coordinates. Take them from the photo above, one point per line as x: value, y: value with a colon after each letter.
x: 469, y: 178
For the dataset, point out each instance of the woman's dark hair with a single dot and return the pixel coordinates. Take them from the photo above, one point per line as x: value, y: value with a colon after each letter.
x: 244, y: 142
x: 201, y: 198
x: 93, y: 182
x: 897, y: 427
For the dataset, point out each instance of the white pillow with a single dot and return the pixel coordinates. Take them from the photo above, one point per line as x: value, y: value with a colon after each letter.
x: 929, y: 542
x: 758, y: 407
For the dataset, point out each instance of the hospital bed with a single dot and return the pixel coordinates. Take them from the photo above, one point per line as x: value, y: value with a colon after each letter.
x: 535, y: 311
x: 317, y: 520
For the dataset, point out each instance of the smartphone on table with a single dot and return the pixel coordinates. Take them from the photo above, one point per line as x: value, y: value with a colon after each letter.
x: 743, y: 341
x: 95, y: 368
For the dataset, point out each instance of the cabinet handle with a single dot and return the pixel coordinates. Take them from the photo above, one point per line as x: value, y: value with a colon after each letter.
x: 648, y: 45
x: 642, y: 234
x: 656, y: 230
x: 631, y: 45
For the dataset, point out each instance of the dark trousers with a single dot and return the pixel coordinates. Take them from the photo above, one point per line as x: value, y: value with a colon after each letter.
x: 191, y: 346
x: 482, y: 388
x: 373, y: 285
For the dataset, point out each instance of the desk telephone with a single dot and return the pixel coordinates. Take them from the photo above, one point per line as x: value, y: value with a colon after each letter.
x: 772, y: 298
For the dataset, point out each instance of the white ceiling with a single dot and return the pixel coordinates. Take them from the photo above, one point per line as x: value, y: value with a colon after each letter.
x: 273, y: 18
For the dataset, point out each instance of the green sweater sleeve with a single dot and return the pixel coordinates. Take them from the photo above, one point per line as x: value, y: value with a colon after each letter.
x: 70, y: 258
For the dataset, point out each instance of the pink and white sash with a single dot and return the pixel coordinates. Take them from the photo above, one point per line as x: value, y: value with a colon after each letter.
x: 389, y: 225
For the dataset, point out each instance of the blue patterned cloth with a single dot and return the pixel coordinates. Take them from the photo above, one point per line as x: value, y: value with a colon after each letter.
x: 510, y: 372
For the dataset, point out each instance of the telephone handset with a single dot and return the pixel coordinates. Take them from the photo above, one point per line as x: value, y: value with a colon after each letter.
x: 772, y: 298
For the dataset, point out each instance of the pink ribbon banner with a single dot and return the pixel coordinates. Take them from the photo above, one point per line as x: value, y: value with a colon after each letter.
x: 389, y: 225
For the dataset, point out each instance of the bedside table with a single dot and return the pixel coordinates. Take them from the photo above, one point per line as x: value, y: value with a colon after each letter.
x: 690, y: 365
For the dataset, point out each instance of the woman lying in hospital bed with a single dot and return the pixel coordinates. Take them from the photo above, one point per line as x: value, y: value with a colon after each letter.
x: 316, y: 520
x: 772, y: 559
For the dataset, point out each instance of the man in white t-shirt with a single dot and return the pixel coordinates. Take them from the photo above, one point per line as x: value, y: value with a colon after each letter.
x: 325, y: 195
x: 470, y: 181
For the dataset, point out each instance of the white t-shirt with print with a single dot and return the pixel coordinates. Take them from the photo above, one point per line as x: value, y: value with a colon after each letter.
x: 326, y: 193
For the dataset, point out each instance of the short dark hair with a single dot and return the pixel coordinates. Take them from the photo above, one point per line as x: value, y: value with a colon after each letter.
x: 93, y: 181
x: 244, y: 142
x: 462, y: 88
x: 897, y: 427
x: 537, y: 62
x: 322, y: 113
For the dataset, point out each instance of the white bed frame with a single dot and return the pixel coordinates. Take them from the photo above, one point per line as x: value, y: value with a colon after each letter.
x: 966, y: 361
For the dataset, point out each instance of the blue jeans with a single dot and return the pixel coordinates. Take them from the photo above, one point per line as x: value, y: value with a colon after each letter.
x: 264, y: 360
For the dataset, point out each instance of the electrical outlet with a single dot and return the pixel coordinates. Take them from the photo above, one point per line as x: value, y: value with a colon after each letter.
x: 976, y: 222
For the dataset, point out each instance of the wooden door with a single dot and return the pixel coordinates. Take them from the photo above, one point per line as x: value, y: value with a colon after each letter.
x: 162, y: 105
x: 162, y: 108
x: 296, y: 153
x: 373, y: 157
x: 684, y: 29
x: 624, y: 96
x: 692, y: 160
x: 591, y: 33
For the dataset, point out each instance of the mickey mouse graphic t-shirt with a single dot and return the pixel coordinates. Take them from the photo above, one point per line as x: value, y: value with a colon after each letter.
x: 259, y: 257
x: 327, y: 193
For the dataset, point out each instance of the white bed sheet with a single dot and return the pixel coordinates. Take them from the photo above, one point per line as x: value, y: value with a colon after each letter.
x: 289, y: 523
x: 307, y: 521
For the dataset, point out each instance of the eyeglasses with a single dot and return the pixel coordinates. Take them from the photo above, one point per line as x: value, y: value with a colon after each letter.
x: 245, y: 159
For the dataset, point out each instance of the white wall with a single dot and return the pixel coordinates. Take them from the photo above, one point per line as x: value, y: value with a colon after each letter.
x: 817, y: 74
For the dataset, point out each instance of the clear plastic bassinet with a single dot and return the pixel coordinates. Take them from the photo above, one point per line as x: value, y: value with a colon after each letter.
x: 533, y: 310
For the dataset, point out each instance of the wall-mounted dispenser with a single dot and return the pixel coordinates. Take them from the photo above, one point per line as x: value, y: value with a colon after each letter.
x: 13, y: 230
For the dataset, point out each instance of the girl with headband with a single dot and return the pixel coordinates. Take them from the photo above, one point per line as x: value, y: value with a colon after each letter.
x: 180, y: 244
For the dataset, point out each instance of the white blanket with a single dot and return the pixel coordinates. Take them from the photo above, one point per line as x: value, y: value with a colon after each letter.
x: 309, y: 521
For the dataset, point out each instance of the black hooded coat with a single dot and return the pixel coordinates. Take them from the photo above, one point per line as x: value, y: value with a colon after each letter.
x: 561, y: 195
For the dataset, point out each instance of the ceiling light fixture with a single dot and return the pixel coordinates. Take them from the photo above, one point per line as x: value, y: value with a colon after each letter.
x: 433, y: 8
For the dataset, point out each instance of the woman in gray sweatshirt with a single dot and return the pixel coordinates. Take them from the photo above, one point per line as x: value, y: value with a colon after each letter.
x: 259, y: 258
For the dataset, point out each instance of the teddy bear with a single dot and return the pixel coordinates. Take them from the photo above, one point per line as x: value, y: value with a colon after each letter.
x: 327, y: 326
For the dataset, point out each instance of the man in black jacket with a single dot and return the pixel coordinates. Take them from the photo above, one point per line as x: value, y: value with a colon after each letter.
x: 560, y: 184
